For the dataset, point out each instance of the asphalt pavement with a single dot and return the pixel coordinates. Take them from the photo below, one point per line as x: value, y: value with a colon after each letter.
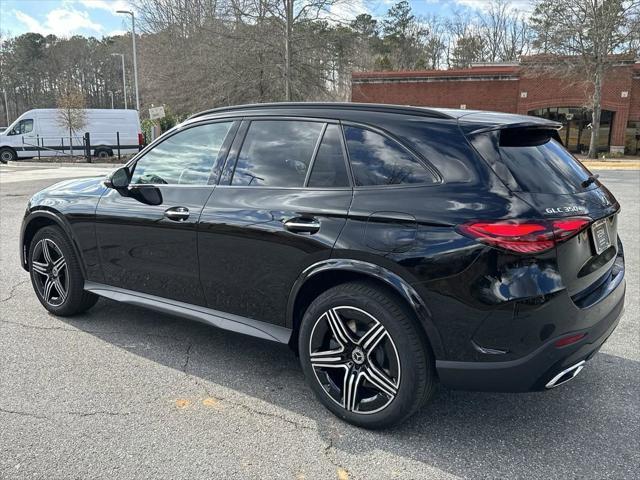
x: 121, y: 392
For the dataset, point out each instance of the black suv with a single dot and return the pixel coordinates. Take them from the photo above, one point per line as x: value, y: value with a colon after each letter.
x: 391, y: 247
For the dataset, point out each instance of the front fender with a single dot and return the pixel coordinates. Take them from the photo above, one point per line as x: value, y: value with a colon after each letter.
x: 44, y: 216
x: 393, y: 280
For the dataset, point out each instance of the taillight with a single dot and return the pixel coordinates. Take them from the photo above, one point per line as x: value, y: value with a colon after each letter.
x: 568, y: 227
x: 527, y: 236
x: 140, y: 139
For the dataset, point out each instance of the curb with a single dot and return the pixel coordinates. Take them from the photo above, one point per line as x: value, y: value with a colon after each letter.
x: 609, y: 165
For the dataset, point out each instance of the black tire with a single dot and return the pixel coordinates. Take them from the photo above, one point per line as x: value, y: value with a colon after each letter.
x: 400, y: 358
x: 7, y: 155
x: 56, y: 276
x: 103, y: 153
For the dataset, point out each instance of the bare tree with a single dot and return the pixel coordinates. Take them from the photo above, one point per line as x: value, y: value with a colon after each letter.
x: 72, y: 114
x: 245, y: 51
x: 584, y: 36
x: 465, y: 44
x: 504, y: 32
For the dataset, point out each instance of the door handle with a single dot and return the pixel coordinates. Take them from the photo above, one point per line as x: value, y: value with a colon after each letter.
x: 177, y: 213
x: 302, y: 225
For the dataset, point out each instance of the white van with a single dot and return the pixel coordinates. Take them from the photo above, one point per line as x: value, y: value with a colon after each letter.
x: 41, y: 133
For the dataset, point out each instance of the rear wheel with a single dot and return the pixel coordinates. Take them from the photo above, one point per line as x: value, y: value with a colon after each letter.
x: 103, y: 153
x: 7, y: 155
x: 56, y: 275
x: 364, y: 355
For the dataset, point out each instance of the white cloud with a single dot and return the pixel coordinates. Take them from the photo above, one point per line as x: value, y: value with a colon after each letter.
x: 346, y: 11
x: 108, y: 5
x: 62, y: 22
x: 480, y: 4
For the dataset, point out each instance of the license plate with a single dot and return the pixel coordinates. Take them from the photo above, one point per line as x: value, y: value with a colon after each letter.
x: 600, y: 234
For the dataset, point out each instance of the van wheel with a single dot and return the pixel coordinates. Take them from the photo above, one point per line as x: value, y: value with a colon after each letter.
x: 7, y: 155
x: 56, y: 275
x: 365, y: 356
x: 103, y: 153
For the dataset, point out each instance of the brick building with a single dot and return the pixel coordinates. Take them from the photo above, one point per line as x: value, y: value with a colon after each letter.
x: 515, y: 88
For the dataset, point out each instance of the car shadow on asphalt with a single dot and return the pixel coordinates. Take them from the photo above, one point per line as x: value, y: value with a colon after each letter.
x: 587, y: 428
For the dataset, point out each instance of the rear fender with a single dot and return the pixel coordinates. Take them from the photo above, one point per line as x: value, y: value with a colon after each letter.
x: 393, y: 280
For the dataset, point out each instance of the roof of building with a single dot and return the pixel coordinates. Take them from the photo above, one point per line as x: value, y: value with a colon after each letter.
x: 477, y: 70
x: 480, y: 69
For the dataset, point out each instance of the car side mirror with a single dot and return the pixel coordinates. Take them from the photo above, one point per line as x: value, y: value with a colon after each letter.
x: 119, y: 178
x: 148, y: 194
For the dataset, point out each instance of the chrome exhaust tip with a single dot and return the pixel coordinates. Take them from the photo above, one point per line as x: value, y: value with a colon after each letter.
x: 565, y: 375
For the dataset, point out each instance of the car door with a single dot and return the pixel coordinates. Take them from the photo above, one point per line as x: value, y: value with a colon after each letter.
x: 147, y: 233
x: 22, y: 137
x: 280, y: 206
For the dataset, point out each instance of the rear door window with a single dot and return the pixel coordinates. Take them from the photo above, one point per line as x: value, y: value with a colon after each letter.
x: 378, y: 160
x: 276, y: 153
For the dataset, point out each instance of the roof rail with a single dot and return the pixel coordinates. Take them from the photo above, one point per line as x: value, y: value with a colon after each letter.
x: 378, y: 107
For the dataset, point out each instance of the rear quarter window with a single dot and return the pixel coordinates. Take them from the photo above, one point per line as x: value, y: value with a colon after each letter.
x: 378, y: 160
x: 442, y: 144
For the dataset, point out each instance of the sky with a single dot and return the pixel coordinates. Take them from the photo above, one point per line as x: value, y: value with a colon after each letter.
x: 65, y: 18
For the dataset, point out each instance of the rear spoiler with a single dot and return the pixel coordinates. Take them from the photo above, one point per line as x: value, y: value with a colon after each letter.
x: 523, y: 133
x: 533, y: 125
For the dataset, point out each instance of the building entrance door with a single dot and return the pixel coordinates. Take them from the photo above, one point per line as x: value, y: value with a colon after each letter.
x: 576, y: 126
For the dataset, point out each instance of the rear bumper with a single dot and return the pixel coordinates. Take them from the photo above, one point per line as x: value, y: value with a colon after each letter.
x: 535, y: 370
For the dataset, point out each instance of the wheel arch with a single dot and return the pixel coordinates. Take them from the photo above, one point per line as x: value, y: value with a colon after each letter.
x: 37, y: 220
x: 329, y: 273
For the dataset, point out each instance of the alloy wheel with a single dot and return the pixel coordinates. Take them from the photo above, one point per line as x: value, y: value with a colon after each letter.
x: 354, y: 359
x: 51, y: 273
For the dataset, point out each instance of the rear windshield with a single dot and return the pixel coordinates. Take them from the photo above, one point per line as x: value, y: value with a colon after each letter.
x: 536, y: 165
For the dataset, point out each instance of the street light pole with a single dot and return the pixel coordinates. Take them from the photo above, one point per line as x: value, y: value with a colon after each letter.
x: 6, y: 105
x: 111, y: 94
x: 135, y: 61
x: 124, y: 79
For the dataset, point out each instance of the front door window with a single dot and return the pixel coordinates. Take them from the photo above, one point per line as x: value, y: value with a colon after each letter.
x: 23, y: 127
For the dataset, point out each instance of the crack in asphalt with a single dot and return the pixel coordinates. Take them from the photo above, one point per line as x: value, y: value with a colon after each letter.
x: 99, y: 412
x: 329, y: 453
x: 37, y: 327
x: 253, y: 410
x: 92, y: 332
x: 12, y: 292
x: 237, y: 404
x: 71, y: 413
x: 23, y: 414
x: 185, y: 365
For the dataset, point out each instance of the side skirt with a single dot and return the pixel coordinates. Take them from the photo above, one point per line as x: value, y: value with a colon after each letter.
x: 225, y: 321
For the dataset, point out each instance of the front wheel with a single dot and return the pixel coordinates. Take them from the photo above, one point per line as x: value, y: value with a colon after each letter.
x: 7, y: 155
x: 365, y: 356
x: 56, y: 275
